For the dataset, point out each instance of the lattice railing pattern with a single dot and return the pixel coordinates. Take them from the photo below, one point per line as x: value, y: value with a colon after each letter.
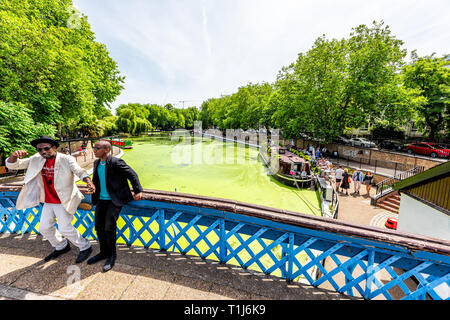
x: 358, y: 267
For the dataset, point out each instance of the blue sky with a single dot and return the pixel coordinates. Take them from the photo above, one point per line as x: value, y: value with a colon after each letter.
x: 191, y: 50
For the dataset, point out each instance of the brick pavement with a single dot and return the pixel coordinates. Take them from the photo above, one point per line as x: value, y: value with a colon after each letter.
x: 141, y: 274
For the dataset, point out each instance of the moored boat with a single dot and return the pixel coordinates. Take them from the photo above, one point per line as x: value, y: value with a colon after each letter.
x: 123, y: 144
x: 293, y: 170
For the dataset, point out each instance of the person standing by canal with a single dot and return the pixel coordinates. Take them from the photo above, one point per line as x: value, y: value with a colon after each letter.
x: 50, y: 180
x: 345, y: 183
x: 339, y: 173
x: 112, y: 192
x: 368, y: 179
x: 357, y: 179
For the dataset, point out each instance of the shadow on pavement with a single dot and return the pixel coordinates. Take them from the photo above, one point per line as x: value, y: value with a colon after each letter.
x: 139, y: 273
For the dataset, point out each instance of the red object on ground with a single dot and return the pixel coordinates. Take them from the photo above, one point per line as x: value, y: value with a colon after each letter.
x: 391, y: 223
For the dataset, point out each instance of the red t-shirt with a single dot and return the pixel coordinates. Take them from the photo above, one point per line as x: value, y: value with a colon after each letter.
x: 49, y: 182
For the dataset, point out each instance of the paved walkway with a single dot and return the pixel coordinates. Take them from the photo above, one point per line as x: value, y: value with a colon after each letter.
x: 357, y: 208
x: 138, y: 274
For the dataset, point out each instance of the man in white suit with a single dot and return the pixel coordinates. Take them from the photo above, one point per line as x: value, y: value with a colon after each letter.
x: 50, y: 179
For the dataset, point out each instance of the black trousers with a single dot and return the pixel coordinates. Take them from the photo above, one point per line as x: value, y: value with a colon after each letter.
x: 106, y: 215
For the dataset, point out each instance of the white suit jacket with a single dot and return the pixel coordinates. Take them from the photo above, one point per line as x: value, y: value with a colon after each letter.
x: 33, y: 193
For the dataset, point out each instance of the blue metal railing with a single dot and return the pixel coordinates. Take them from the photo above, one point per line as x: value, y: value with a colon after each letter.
x: 355, y: 260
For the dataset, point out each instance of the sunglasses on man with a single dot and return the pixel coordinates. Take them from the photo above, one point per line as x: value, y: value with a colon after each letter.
x: 43, y: 149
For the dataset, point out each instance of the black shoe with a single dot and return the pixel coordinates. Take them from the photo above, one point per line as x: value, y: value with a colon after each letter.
x: 96, y: 258
x: 84, y: 255
x: 57, y: 253
x: 109, y: 263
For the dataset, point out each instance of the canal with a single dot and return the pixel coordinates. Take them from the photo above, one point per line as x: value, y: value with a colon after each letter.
x: 208, y: 167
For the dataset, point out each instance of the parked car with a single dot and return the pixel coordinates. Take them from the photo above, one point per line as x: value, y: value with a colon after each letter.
x: 343, y: 140
x: 392, y: 145
x: 429, y: 149
x: 361, y: 142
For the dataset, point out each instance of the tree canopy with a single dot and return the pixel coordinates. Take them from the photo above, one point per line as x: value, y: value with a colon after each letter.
x: 17, y: 126
x: 429, y: 76
x: 57, y: 79
x: 136, y: 118
x: 337, y: 85
x: 51, y: 64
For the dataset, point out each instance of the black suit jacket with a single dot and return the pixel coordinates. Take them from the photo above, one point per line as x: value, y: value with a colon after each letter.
x: 117, y: 174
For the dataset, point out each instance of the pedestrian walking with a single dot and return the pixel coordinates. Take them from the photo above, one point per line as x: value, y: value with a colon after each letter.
x: 357, y: 178
x: 345, y: 183
x: 368, y: 180
x: 50, y: 180
x: 112, y: 192
x: 339, y: 173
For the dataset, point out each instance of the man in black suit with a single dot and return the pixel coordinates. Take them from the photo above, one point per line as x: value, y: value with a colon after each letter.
x: 112, y: 192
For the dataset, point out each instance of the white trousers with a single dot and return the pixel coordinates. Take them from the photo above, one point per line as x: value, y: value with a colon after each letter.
x: 52, y: 213
x: 357, y: 185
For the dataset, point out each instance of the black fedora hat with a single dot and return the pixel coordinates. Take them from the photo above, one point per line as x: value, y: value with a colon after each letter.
x: 45, y: 139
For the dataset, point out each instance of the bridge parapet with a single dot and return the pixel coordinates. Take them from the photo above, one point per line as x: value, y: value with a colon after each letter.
x: 347, y: 258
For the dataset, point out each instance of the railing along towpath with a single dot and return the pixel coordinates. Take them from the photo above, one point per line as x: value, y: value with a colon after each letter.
x: 325, y: 253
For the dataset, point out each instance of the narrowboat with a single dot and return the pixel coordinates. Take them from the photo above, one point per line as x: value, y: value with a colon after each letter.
x: 293, y: 170
x: 123, y: 144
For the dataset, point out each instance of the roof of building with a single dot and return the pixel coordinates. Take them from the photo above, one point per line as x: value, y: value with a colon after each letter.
x: 290, y: 157
x: 439, y: 171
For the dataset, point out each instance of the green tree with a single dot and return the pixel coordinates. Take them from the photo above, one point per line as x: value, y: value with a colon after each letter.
x: 108, y: 126
x: 430, y: 78
x: 17, y: 128
x: 154, y: 114
x: 334, y: 86
x: 247, y: 105
x: 375, y: 59
x: 284, y: 107
x: 205, y: 114
x: 340, y: 84
x: 133, y: 118
x: 142, y: 125
x: 243, y: 109
x: 126, y: 120
x: 190, y: 114
x: 53, y: 67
